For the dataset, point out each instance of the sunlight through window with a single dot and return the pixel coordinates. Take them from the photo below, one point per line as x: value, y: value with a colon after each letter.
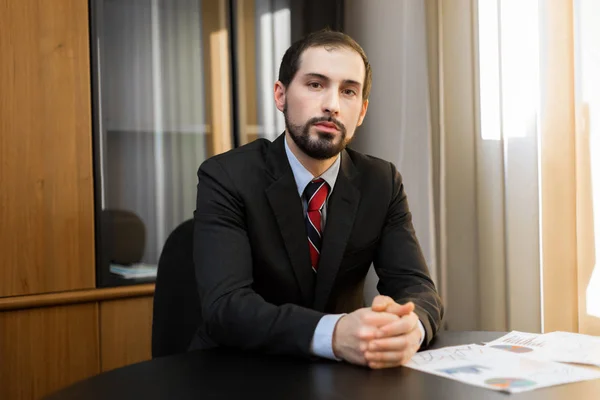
x: 588, y: 88
x: 508, y: 47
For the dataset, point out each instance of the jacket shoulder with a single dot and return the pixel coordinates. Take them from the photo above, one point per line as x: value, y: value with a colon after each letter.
x: 371, y: 166
x: 241, y: 158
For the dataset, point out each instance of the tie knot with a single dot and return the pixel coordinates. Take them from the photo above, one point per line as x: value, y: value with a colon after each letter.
x: 316, y: 193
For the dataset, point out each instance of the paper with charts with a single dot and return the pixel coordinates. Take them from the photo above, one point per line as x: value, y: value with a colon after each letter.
x: 497, y: 369
x: 555, y: 346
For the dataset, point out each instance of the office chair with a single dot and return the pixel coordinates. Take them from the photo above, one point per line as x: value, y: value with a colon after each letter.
x: 124, y: 235
x: 176, y: 309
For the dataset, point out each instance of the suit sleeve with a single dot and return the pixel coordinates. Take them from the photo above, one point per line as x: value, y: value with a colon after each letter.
x: 400, y: 265
x: 233, y: 313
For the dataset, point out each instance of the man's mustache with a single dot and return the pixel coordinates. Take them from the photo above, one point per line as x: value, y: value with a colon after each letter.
x: 338, y: 124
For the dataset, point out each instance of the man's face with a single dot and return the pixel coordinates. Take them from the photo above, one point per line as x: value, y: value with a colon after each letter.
x: 323, y: 104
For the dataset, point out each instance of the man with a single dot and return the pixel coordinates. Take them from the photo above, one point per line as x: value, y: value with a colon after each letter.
x: 285, y: 232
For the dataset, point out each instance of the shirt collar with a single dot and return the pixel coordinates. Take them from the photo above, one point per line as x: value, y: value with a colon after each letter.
x: 303, y: 176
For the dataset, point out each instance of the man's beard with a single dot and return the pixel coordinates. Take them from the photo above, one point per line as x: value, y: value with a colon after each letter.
x: 324, y: 147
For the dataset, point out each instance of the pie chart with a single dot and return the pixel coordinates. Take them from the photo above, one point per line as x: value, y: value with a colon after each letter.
x: 511, y: 348
x: 509, y: 383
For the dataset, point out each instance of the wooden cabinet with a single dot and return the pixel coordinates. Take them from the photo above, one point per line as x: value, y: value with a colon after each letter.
x: 55, y: 327
x: 50, y: 341
x: 46, y: 192
x: 45, y: 349
x: 125, y: 332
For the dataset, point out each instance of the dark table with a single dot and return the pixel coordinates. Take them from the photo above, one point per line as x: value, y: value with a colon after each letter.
x: 225, y: 374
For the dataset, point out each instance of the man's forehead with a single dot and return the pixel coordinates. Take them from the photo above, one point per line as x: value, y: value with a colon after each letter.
x: 342, y: 62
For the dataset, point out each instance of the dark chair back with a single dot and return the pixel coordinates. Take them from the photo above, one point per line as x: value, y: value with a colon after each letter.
x: 176, y: 302
x: 124, y: 236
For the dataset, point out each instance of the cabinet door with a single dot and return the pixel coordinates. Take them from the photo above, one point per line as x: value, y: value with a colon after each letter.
x: 125, y: 331
x: 46, y: 193
x: 162, y: 90
x: 43, y: 350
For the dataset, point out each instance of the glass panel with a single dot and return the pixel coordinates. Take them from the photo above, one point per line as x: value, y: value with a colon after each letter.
x: 163, y: 106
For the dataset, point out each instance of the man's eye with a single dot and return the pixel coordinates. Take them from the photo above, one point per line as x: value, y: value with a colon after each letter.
x: 314, y: 85
x: 349, y: 92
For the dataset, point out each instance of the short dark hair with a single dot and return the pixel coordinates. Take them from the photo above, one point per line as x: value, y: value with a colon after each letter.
x: 324, y: 38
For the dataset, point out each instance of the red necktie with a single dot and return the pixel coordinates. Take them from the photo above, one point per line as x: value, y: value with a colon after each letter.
x: 316, y: 194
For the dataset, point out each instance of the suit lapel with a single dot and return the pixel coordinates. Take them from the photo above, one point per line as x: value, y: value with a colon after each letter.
x: 287, y: 208
x: 341, y: 211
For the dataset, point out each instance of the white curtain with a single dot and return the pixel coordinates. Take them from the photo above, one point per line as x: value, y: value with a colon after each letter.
x: 471, y: 183
x: 516, y: 93
x: 487, y: 92
x: 587, y: 106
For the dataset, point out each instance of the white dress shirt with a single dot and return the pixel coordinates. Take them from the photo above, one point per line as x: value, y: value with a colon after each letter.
x: 322, y: 341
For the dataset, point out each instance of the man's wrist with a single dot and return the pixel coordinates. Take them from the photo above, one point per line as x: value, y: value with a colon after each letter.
x: 323, y: 339
x: 334, y: 340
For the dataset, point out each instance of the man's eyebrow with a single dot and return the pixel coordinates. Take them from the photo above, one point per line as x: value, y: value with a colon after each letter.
x: 326, y: 78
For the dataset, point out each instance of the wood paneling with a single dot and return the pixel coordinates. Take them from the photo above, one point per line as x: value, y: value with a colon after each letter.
x: 246, y: 71
x: 46, y: 194
x: 75, y: 296
x: 44, y: 350
x: 125, y: 332
x: 215, y: 36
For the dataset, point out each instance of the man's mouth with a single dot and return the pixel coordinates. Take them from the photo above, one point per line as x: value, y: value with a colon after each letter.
x: 327, y: 126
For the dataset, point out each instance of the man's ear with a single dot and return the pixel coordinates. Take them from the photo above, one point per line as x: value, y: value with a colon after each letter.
x: 363, y: 112
x: 279, y: 95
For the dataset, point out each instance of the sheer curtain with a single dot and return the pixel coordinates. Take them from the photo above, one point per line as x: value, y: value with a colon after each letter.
x: 517, y: 95
x: 587, y: 112
x: 489, y: 108
x: 397, y: 126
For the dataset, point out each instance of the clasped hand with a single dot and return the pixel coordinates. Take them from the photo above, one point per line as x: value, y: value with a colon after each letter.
x: 384, y: 335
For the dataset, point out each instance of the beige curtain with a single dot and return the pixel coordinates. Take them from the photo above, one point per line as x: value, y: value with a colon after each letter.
x: 587, y: 150
x: 569, y: 171
x: 397, y: 126
x: 516, y: 123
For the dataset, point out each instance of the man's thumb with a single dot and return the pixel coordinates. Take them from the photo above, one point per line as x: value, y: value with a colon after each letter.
x: 380, y: 303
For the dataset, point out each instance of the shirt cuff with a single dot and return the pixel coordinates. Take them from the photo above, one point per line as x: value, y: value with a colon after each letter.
x: 322, y: 341
x: 422, y: 330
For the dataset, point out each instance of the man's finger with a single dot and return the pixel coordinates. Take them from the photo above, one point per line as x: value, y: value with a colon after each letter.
x: 395, y: 343
x: 380, y: 303
x: 387, y: 304
x: 378, y: 319
x: 381, y: 365
x: 388, y: 359
x: 385, y: 356
x: 367, y: 332
x: 400, y: 309
x: 406, y: 324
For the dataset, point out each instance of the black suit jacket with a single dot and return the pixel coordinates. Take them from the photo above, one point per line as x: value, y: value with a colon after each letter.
x: 255, y: 282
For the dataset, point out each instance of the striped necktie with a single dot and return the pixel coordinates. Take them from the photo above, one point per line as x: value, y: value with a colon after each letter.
x: 316, y: 194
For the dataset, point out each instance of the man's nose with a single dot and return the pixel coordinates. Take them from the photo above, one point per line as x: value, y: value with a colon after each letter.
x: 331, y: 103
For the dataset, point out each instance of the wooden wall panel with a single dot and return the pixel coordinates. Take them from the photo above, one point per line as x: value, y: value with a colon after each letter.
x: 46, y: 349
x: 215, y: 39
x: 246, y: 74
x: 125, y: 332
x: 46, y: 194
